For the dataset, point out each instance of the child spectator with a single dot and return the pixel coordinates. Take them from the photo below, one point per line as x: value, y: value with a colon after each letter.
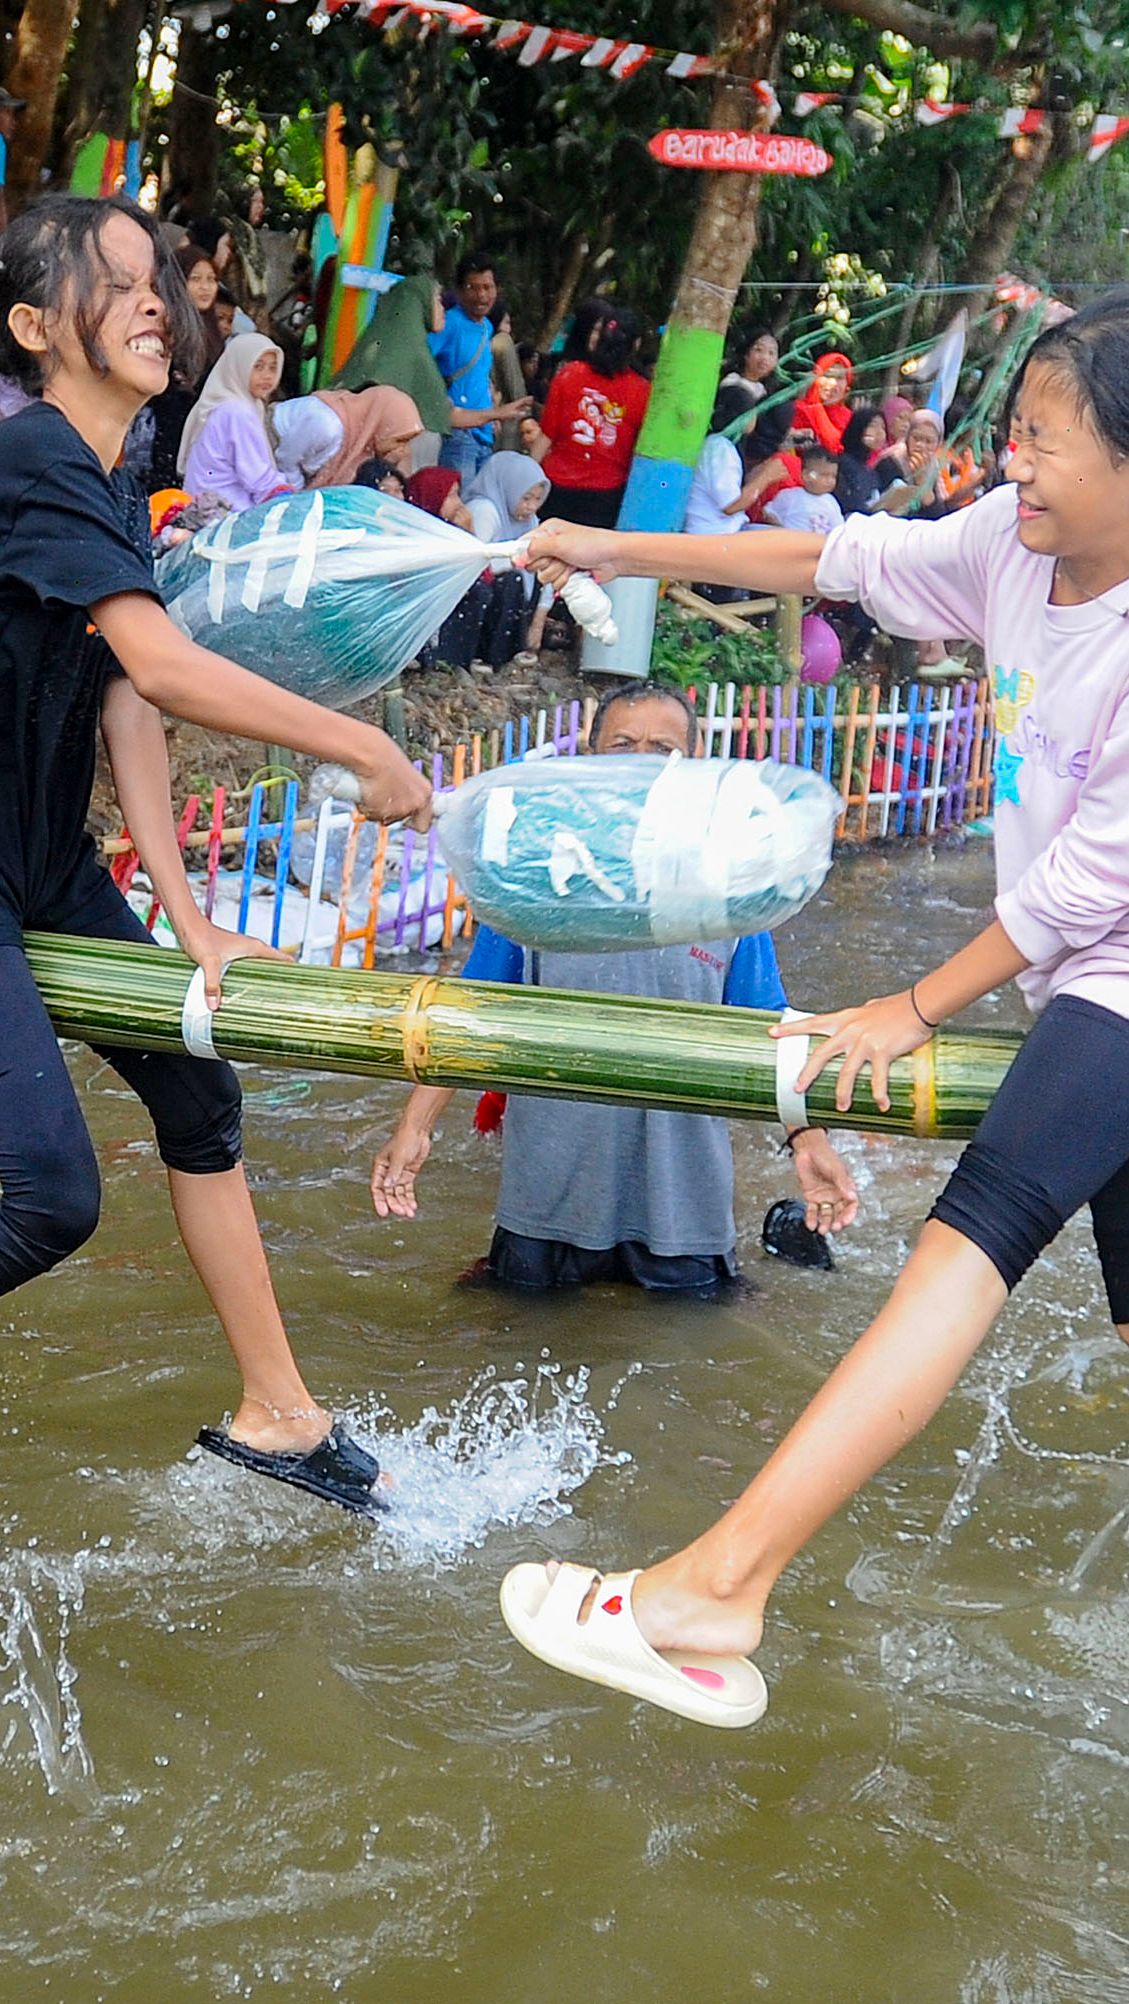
x: 812, y: 505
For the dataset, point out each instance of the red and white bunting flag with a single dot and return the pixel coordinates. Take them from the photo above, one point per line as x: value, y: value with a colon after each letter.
x: 634, y: 56
x: 1106, y: 131
x: 511, y: 34
x: 536, y: 46
x: 931, y: 111
x: 685, y: 65
x: 808, y: 101
x: 601, y: 53
x: 568, y: 43
x: 1019, y: 123
x: 767, y: 99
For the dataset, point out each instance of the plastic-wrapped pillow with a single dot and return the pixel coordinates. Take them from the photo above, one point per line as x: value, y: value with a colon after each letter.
x: 329, y: 593
x: 592, y: 855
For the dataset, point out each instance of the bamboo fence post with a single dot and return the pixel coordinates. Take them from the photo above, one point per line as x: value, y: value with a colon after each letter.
x: 851, y: 728
x: 868, y: 761
x: 789, y: 619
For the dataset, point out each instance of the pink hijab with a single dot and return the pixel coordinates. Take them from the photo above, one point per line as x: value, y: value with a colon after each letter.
x: 372, y: 423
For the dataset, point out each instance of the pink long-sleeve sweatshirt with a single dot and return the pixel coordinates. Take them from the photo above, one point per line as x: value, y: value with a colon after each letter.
x: 1060, y: 678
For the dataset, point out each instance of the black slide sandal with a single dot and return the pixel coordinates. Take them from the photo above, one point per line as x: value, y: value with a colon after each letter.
x: 337, y: 1469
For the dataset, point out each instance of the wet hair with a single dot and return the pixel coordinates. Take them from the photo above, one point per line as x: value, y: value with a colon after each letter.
x: 854, y: 445
x: 643, y: 692
x: 51, y: 257
x: 1089, y: 355
x: 618, y: 339
x: 371, y: 472
x: 818, y: 455
x: 473, y: 262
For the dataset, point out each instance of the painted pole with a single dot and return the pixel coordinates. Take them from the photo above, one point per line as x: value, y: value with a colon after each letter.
x: 617, y: 1049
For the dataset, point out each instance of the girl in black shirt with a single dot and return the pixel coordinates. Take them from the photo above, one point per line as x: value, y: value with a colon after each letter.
x: 92, y: 313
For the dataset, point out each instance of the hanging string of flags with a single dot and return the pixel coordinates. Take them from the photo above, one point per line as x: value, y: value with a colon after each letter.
x: 620, y: 58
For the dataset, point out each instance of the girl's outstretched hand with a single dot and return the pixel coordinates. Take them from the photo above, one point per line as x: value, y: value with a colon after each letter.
x: 557, y: 549
x: 212, y: 949
x: 873, y: 1034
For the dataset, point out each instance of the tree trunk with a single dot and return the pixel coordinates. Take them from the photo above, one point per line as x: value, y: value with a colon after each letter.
x: 994, y: 239
x: 40, y: 51
x: 721, y: 244
x: 192, y: 162
x: 928, y: 260
x: 571, y: 276
x: 102, y: 74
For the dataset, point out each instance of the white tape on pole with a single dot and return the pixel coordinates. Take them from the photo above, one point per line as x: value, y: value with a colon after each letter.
x: 196, y: 1020
x: 791, y: 1057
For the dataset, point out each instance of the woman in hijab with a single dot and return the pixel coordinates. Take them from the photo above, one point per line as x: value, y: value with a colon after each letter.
x: 379, y: 423
x: 896, y: 414
x: 504, y: 497
x: 488, y: 625
x: 823, y: 409
x: 226, y: 449
x: 307, y: 435
x: 393, y: 351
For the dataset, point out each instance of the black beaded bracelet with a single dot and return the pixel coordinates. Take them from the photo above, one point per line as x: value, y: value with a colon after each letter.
x: 788, y: 1145
x: 919, y: 1012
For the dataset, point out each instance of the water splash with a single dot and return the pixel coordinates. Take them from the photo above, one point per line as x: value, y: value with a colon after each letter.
x: 508, y: 1451
x: 42, y: 1680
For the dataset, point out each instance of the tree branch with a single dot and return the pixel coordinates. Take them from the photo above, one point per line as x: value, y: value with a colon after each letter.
x: 922, y: 27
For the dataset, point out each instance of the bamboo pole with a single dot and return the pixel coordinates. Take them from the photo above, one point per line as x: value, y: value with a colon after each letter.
x: 618, y: 1049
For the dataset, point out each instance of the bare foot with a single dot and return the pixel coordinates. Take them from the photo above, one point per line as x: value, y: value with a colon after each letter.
x: 683, y: 1604
x: 280, y: 1432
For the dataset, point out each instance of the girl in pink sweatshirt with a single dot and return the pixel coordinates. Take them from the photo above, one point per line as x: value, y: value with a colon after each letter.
x: 1038, y: 574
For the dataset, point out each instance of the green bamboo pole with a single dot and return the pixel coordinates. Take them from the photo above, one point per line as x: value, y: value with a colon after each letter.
x: 618, y: 1049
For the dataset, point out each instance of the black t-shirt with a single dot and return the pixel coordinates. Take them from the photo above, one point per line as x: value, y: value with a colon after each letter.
x: 70, y: 535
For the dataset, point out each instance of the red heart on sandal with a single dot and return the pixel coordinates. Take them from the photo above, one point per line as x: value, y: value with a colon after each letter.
x: 614, y: 1605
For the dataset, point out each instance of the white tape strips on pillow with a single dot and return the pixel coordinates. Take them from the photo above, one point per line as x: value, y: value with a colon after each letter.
x: 791, y: 1057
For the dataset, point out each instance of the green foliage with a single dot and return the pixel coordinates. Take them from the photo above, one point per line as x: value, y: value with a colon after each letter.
x: 689, y: 652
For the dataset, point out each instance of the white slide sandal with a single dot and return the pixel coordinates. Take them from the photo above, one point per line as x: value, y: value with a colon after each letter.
x: 608, y: 1648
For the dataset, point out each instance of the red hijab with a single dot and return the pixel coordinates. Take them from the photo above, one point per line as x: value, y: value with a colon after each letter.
x: 827, y: 421
x: 429, y: 488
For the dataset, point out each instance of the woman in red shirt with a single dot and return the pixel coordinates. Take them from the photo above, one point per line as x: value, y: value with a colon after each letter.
x: 592, y: 418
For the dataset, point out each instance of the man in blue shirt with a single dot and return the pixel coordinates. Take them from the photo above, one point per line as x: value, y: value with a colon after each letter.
x: 639, y: 1194
x: 463, y: 353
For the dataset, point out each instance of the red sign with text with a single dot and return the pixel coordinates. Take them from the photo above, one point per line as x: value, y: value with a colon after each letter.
x: 740, y: 152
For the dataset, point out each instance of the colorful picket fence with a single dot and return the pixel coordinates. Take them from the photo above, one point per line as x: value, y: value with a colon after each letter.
x: 917, y: 761
x: 909, y: 764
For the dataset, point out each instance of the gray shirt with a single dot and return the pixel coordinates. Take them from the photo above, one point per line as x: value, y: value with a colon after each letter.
x: 594, y: 1176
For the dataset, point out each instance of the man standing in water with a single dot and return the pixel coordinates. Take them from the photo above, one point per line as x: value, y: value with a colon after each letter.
x: 598, y: 1193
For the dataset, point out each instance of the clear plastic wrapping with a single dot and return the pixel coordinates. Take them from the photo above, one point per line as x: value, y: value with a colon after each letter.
x: 329, y: 593
x: 592, y: 855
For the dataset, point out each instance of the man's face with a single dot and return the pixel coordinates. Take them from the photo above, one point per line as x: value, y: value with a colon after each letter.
x: 478, y: 294
x: 655, y: 724
x: 7, y: 121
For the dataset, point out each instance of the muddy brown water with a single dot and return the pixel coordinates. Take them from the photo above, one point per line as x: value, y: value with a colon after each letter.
x: 252, y: 1749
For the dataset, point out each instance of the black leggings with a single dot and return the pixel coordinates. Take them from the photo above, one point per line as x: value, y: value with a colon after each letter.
x: 49, y: 1187
x: 1055, y: 1137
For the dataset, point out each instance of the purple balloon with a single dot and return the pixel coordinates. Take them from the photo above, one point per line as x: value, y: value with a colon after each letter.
x: 821, y: 649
